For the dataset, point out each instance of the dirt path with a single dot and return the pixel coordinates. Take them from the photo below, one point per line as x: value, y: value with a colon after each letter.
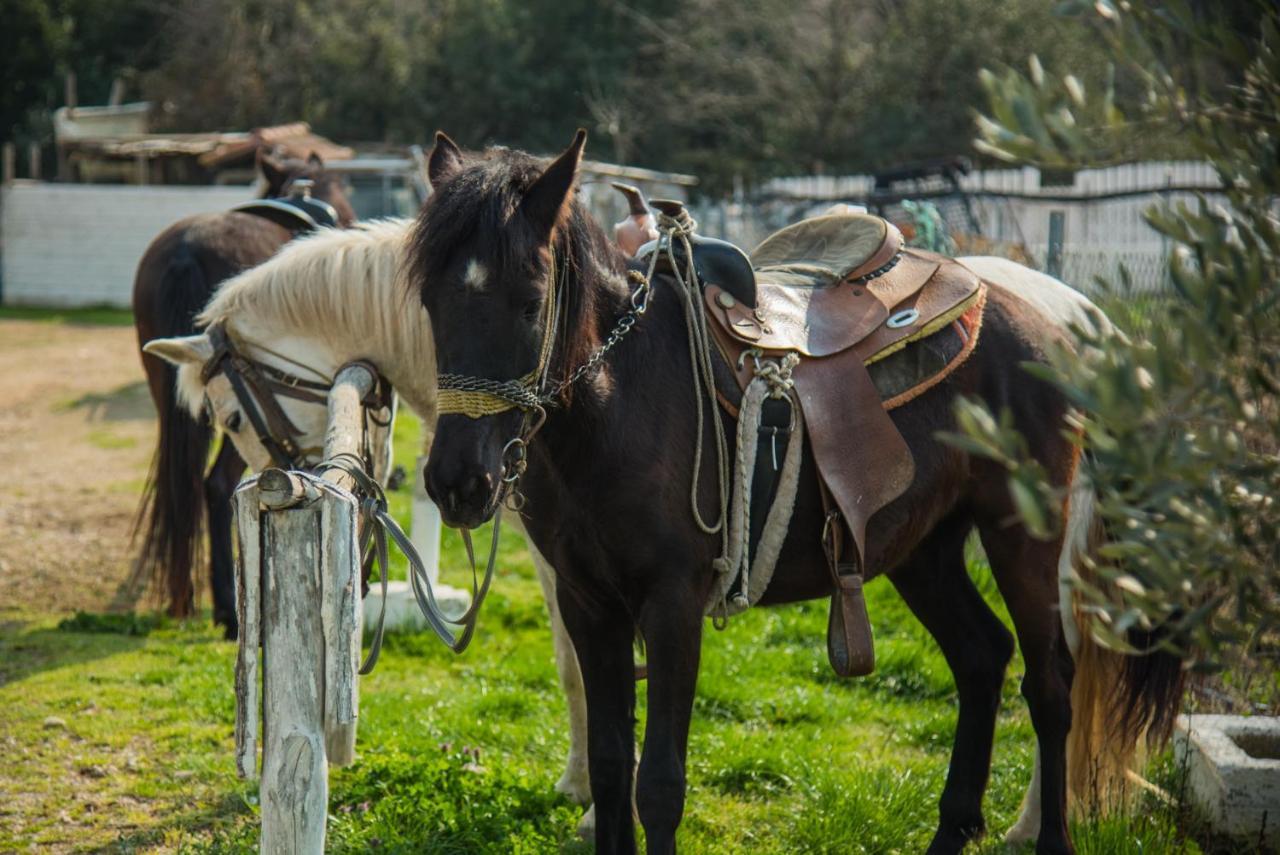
x: 77, y: 430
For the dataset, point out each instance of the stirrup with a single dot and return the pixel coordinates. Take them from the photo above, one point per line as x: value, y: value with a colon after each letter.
x: 850, y: 643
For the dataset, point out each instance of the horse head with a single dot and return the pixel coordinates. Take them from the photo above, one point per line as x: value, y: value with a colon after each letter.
x: 490, y: 258
x: 282, y: 175
x: 269, y: 401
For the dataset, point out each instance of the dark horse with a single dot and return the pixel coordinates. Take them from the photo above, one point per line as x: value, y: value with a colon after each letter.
x: 176, y: 277
x: 608, y: 479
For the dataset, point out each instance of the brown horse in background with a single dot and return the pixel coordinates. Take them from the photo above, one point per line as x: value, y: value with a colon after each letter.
x: 608, y: 490
x: 176, y: 277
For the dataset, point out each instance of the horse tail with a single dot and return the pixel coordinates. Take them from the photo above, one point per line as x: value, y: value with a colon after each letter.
x: 1117, y: 699
x: 170, y: 520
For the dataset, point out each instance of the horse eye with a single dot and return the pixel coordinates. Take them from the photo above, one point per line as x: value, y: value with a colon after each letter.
x: 533, y: 309
x: 233, y: 422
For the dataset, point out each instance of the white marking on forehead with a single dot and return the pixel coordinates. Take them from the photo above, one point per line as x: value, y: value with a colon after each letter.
x: 475, y: 276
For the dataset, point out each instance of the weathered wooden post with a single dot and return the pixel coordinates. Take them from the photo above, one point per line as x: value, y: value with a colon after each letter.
x: 299, y: 601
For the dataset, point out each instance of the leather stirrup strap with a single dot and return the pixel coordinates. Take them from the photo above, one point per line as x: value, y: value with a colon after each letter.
x: 851, y: 646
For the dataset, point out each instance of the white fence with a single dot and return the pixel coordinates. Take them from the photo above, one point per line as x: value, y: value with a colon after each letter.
x: 79, y: 244
x: 1008, y: 208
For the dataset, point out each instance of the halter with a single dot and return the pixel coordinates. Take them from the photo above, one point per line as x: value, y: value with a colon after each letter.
x: 480, y: 397
x: 257, y: 387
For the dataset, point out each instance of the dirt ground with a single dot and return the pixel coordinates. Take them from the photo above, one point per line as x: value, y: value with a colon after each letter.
x: 77, y: 429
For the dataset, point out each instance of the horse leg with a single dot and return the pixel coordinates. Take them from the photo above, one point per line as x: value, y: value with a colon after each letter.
x: 936, y: 586
x: 672, y: 629
x: 602, y: 636
x: 1026, y: 571
x: 575, y: 782
x: 219, y: 486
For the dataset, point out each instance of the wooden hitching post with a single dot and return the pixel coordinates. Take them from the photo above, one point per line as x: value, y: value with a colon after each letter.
x: 298, y: 597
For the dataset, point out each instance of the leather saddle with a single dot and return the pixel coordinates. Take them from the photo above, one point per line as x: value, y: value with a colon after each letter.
x: 843, y: 293
x: 298, y: 212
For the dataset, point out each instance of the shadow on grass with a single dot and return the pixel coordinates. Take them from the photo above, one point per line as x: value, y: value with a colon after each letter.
x: 87, y: 637
x: 212, y: 818
x: 129, y: 402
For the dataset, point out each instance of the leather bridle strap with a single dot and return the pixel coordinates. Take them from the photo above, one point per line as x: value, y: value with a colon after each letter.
x: 257, y: 388
x: 380, y: 526
x: 270, y: 424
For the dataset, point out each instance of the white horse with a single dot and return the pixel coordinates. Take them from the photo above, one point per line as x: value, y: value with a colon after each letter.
x: 321, y: 302
x: 336, y: 296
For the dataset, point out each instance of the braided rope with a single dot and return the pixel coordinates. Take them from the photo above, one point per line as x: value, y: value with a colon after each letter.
x: 704, y: 384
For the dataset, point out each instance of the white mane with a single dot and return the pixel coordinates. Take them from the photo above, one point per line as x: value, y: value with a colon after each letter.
x: 342, y: 287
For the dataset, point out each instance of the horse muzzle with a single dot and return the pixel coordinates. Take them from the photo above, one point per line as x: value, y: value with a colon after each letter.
x: 463, y: 473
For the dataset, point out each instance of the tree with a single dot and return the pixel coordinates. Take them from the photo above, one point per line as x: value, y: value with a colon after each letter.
x: 1180, y: 422
x: 30, y: 43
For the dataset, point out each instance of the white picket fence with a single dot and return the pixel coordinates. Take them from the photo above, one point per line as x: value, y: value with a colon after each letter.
x: 1102, y: 211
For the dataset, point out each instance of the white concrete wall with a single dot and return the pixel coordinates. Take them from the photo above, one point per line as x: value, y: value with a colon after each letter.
x: 79, y: 244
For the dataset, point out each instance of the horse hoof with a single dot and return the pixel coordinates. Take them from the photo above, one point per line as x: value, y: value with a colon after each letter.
x: 230, y: 627
x: 1022, y: 832
x: 587, y: 825
x: 575, y: 784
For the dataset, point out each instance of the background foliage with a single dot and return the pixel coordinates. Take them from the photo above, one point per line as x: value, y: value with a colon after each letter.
x: 721, y: 88
x: 1180, y: 421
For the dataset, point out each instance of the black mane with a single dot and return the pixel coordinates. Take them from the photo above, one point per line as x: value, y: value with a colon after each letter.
x: 483, y: 198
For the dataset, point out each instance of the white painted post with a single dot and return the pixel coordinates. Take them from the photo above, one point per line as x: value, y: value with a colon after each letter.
x: 425, y: 528
x: 294, y: 789
x: 424, y: 531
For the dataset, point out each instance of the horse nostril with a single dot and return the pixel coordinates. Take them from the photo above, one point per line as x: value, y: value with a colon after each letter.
x: 480, y: 486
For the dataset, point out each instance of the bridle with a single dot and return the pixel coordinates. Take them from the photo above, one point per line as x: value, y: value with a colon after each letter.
x: 532, y: 394
x: 478, y: 397
x: 258, y: 387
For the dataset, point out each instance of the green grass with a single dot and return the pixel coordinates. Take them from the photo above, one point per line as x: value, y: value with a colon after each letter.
x: 783, y: 757
x: 100, y: 316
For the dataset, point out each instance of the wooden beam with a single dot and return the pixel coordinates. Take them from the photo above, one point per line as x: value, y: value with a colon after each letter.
x: 249, y: 609
x: 278, y: 489
x: 345, y: 435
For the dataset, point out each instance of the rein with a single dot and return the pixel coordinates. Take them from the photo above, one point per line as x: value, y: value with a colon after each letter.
x: 741, y: 577
x: 480, y: 397
x: 373, y: 545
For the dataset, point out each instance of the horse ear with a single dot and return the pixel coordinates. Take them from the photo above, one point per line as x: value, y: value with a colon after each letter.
x: 273, y: 172
x: 548, y: 199
x: 445, y: 159
x: 181, y: 351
